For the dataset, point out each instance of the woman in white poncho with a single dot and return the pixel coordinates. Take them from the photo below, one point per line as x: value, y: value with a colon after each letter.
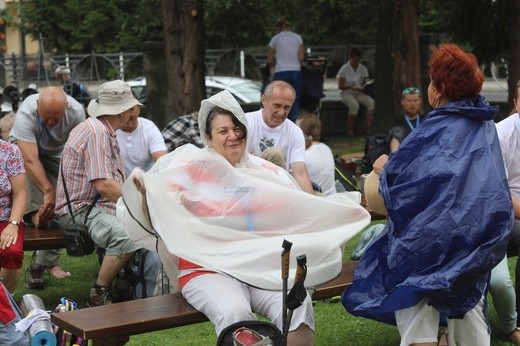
x: 221, y: 298
x: 233, y: 212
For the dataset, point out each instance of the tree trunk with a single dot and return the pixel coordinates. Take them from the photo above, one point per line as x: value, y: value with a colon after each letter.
x: 383, y: 67
x: 407, y: 62
x: 514, y: 51
x: 159, y: 102
x: 183, y: 26
x: 400, y: 19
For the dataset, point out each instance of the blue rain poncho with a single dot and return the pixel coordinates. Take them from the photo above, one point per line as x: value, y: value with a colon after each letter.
x: 449, y: 218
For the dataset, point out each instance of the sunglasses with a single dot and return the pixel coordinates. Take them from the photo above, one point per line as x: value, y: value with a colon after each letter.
x: 411, y: 90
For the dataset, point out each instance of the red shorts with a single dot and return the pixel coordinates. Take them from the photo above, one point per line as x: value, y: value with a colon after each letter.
x: 12, y: 257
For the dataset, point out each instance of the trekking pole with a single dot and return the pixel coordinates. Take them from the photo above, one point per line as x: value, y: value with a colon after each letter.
x: 298, y: 293
x: 286, y: 256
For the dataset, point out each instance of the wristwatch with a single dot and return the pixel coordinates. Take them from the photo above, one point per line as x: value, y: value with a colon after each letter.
x: 16, y: 223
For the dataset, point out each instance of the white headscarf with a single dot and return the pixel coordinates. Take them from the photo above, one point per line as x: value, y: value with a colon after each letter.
x: 224, y: 100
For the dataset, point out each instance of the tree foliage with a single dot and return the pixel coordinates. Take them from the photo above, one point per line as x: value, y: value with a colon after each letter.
x: 483, y: 24
x: 436, y: 17
x: 249, y: 23
x: 237, y: 23
x: 115, y: 25
x: 86, y: 25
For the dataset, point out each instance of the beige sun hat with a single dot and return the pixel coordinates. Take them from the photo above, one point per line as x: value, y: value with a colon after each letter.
x: 114, y: 97
x: 374, y: 200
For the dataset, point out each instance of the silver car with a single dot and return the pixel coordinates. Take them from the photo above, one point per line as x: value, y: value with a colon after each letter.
x: 246, y: 91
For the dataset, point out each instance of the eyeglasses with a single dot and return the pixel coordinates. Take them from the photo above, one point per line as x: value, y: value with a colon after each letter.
x: 411, y: 90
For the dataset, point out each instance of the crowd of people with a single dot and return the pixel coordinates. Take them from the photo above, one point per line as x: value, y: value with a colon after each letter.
x: 77, y: 161
x: 450, y: 188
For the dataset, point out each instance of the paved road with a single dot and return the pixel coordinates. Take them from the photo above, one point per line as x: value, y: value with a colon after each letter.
x: 493, y: 91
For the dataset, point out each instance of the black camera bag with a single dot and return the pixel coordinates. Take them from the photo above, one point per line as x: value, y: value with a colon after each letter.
x: 76, y: 236
x: 77, y: 240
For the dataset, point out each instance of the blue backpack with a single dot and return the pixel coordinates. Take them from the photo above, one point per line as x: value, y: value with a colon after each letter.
x: 139, y: 278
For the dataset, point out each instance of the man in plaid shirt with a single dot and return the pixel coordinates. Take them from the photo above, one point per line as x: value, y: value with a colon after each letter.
x: 182, y: 130
x: 91, y: 164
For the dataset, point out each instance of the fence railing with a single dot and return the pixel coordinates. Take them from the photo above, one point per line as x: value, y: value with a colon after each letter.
x: 23, y: 70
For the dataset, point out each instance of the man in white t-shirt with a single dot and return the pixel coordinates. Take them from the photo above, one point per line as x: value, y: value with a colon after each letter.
x: 509, y: 135
x: 140, y: 143
x: 268, y: 132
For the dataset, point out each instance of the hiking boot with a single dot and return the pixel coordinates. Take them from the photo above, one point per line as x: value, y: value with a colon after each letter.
x: 100, y: 295
x: 34, y: 276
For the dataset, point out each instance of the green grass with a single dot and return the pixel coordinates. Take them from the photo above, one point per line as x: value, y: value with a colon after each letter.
x: 345, y: 145
x: 334, y: 326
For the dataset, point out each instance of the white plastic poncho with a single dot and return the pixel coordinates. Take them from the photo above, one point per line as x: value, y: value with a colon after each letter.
x: 234, y: 219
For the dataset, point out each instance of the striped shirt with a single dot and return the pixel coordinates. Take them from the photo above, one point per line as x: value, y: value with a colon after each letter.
x: 91, y: 153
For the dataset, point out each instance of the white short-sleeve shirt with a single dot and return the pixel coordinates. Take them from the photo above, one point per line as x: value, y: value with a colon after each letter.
x: 137, y: 147
x: 352, y: 76
x: 509, y: 135
x: 320, y: 166
x: 286, y: 136
x: 286, y: 45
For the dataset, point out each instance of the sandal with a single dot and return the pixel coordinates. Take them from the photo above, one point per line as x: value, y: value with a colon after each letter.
x: 512, y: 338
x: 443, y: 337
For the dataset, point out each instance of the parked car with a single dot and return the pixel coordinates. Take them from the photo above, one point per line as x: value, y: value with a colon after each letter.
x: 246, y: 91
x: 495, y: 88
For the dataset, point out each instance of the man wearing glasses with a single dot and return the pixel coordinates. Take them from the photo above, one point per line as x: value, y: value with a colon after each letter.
x: 41, y: 128
x: 402, y: 125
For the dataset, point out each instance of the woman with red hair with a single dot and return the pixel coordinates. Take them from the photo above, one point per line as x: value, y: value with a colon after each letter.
x: 449, y: 215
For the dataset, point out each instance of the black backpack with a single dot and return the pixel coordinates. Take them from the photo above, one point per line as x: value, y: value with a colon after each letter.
x: 346, y: 178
x: 77, y: 90
x: 139, y: 278
x: 375, y: 146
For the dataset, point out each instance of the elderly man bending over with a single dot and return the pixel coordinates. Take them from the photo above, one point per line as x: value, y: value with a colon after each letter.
x: 41, y: 128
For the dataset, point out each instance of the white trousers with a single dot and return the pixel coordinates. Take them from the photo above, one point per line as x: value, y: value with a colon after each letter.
x: 420, y: 323
x: 225, y: 301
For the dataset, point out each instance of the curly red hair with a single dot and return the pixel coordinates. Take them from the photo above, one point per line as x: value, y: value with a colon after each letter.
x: 456, y: 72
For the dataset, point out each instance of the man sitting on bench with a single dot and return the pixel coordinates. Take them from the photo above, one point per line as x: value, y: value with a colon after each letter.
x: 92, y: 164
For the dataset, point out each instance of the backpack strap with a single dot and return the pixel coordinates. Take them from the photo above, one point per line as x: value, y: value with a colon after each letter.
x: 141, y: 276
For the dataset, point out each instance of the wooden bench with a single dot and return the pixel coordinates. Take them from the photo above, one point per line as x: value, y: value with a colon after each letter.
x: 52, y: 238
x: 114, y: 324
x: 43, y: 239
